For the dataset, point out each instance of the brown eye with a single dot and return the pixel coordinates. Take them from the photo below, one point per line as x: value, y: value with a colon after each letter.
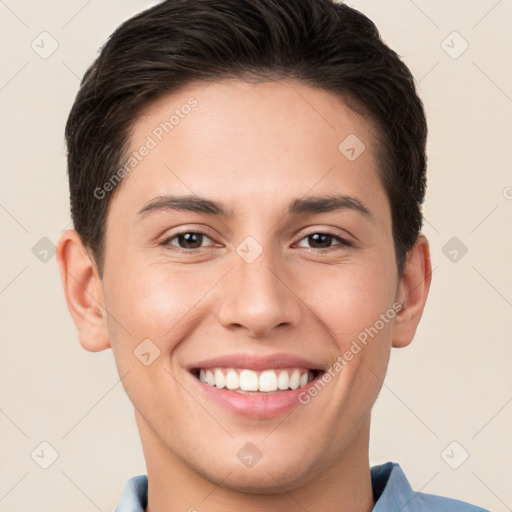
x: 187, y: 240
x: 323, y: 241
x: 320, y: 240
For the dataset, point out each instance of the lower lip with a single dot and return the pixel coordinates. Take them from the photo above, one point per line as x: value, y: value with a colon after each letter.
x: 255, y: 406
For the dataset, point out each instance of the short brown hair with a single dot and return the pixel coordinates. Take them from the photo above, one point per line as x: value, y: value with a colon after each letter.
x: 322, y: 43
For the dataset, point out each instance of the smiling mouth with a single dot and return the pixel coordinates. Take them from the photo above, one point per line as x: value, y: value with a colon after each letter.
x: 249, y: 382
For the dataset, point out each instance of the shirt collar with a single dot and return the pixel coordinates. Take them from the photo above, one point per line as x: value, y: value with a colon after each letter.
x: 391, y: 490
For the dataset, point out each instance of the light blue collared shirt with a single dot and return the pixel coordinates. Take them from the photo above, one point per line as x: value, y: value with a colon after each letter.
x: 391, y: 490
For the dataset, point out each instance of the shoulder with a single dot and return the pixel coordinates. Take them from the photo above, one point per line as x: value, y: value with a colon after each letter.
x: 429, y: 502
x: 392, y: 491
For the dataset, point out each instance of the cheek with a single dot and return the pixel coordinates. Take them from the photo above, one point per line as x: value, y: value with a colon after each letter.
x: 155, y: 303
x: 349, y: 299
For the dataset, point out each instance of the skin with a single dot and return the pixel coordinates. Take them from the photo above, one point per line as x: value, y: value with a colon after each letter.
x: 254, y: 148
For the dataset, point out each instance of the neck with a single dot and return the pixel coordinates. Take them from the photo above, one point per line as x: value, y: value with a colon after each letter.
x: 343, y: 485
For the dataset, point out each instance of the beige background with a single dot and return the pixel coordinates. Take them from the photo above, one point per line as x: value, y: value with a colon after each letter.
x: 452, y: 384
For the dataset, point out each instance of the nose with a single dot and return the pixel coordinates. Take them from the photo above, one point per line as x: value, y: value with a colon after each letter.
x: 257, y: 297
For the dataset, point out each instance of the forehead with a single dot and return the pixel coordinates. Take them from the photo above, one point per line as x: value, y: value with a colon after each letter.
x: 243, y: 140
x: 289, y: 109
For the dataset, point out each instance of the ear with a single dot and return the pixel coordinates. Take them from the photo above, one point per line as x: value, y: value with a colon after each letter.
x: 412, y: 292
x: 84, y: 291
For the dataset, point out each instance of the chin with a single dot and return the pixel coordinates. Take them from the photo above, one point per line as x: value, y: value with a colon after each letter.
x: 261, y: 482
x: 264, y: 478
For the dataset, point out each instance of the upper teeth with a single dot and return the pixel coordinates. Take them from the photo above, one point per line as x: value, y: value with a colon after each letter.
x: 249, y: 380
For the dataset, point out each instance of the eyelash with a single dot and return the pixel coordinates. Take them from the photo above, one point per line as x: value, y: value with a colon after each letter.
x: 341, y: 241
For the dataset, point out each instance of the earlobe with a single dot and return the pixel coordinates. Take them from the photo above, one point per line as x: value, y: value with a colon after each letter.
x: 84, y: 291
x: 412, y: 292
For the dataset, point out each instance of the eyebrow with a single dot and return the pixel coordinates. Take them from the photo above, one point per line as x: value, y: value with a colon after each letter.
x: 310, y: 204
x: 189, y: 203
x: 328, y: 203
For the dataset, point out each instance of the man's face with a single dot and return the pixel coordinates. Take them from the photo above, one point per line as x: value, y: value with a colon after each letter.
x: 273, y: 285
